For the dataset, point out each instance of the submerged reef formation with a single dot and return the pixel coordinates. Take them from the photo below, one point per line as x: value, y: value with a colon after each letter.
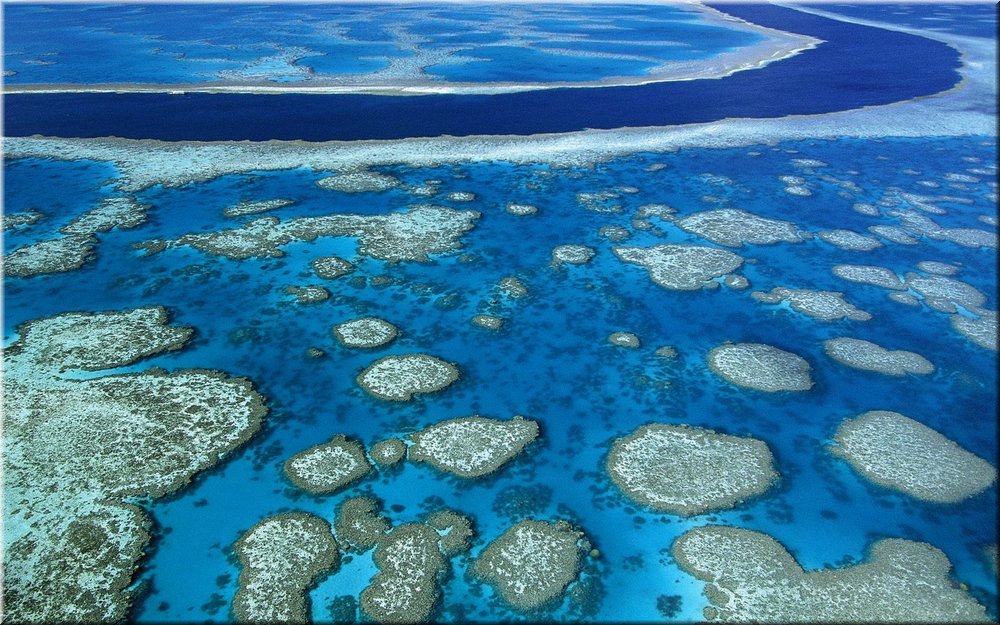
x: 282, y: 556
x: 358, y: 181
x: 689, y: 470
x: 252, y: 208
x: 331, y: 267
x: 572, y: 254
x: 522, y: 210
x: 76, y: 449
x: 761, y: 367
x: 397, y: 378
x: 405, y: 589
x: 531, y: 563
x: 472, y: 446
x: 850, y: 240
x: 309, y: 294
x: 869, y: 356
x: 982, y: 330
x: 822, y: 305
x: 897, y: 452
x: 749, y: 576
x: 512, y: 287
x: 410, y: 235
x: 624, y: 339
x: 365, y: 333
x: 870, y: 274
x: 894, y: 234
x: 490, y: 322
x: 944, y: 294
x: 358, y: 524
x: 23, y: 219
x: 733, y: 228
x: 681, y: 267
x: 455, y: 530
x: 328, y: 467
x: 76, y: 245
x: 388, y: 452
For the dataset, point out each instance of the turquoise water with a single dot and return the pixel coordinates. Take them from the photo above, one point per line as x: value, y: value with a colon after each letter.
x: 87, y: 44
x: 551, y: 362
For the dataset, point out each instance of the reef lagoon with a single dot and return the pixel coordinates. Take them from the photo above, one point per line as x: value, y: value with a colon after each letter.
x: 648, y: 373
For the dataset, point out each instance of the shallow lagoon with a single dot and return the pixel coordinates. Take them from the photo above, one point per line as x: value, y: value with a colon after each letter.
x: 551, y: 360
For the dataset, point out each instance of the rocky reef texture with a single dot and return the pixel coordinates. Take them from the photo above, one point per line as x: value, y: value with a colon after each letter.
x: 937, y: 267
x: 309, y: 294
x: 472, y: 446
x: 869, y: 356
x: 331, y: 267
x: 624, y: 339
x: 572, y: 254
x: 822, y: 305
x: 897, y: 452
x: 982, y: 330
x: 850, y: 240
x: 761, y: 367
x: 943, y: 294
x: 681, y: 267
x: 894, y: 234
x: 398, y: 378
x: 388, y: 452
x: 733, y: 228
x: 405, y: 589
x: 531, y: 564
x: 20, y: 220
x: 490, y: 322
x: 870, y: 274
x: 358, y: 181
x: 751, y: 577
x: 455, y: 531
x: 513, y: 287
x: 921, y: 225
x: 75, y: 450
x: 358, y: 524
x: 365, y: 333
x: 49, y: 256
x: 521, y: 210
x: 411, y: 235
x: 115, y: 212
x: 689, y: 470
x: 328, y: 467
x: 253, y: 208
x: 282, y: 556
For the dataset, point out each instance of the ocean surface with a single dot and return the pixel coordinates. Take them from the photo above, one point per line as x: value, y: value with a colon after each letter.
x: 856, y: 66
x: 551, y: 362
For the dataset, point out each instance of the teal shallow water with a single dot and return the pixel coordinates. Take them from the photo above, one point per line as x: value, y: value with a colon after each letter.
x: 551, y: 362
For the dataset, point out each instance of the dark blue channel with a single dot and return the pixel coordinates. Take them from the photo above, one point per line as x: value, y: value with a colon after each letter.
x: 856, y: 66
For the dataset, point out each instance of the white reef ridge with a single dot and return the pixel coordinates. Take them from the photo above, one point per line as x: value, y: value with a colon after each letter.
x: 681, y: 267
x: 531, y: 564
x: 761, y: 367
x: 733, y: 228
x: 689, y: 470
x: 869, y: 356
x: 751, y: 577
x: 472, y: 446
x: 897, y: 452
x: 282, y: 556
x: 398, y: 377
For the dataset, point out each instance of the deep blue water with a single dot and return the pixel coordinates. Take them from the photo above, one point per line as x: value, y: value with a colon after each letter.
x: 856, y: 66
x: 551, y: 362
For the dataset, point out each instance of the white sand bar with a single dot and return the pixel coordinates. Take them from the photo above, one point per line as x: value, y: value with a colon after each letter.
x: 897, y: 452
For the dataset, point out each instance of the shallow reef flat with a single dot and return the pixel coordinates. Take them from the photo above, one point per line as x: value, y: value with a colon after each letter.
x: 689, y: 470
x: 681, y: 267
x: 75, y: 450
x: 735, y: 228
x: 749, y: 576
x: 474, y: 446
x: 328, y: 467
x: 365, y: 333
x: 398, y: 378
x: 869, y: 356
x: 900, y: 453
x: 822, y: 305
x: 282, y: 556
x: 531, y: 563
x: 870, y: 274
x: 761, y: 367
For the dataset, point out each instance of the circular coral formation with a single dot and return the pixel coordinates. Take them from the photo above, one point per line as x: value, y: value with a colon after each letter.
x: 328, y: 467
x: 687, y: 470
x: 531, y: 564
x: 358, y: 524
x: 398, y: 378
x: 572, y: 254
x: 897, y: 452
x: 822, y: 305
x: 512, y: 286
x: 760, y: 367
x: 455, y: 530
x: 472, y: 446
x: 365, y: 333
x: 667, y: 351
x: 869, y: 356
x: 521, y: 209
x: 681, y: 267
x: 388, y: 452
x: 331, y: 267
x: 751, y: 577
x: 733, y: 228
x: 282, y: 556
x: 490, y: 322
x: 624, y: 339
x: 461, y: 196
